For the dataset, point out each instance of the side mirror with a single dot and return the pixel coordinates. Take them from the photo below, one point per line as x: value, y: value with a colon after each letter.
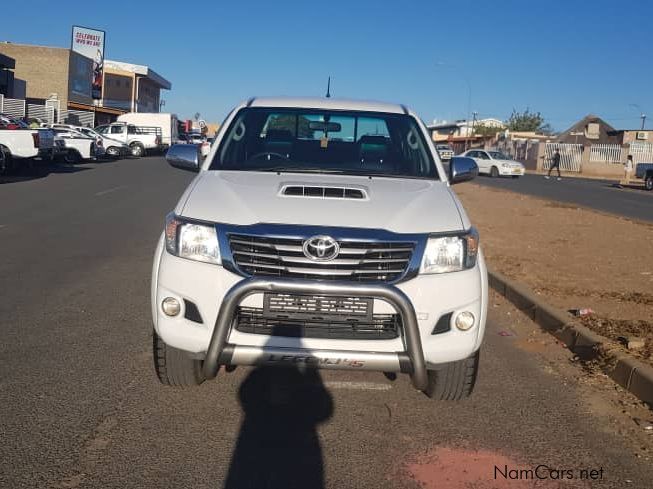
x: 184, y: 156
x: 462, y: 169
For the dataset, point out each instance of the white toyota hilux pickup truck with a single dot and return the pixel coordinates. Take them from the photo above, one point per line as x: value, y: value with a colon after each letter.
x: 18, y: 147
x: 320, y: 233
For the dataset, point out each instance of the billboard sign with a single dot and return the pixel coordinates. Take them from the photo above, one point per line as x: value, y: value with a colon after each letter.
x: 90, y: 43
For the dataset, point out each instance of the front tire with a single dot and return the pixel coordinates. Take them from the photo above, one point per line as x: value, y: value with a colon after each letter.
x: 494, y: 172
x: 113, y: 152
x: 648, y: 183
x: 174, y: 367
x: 453, y: 381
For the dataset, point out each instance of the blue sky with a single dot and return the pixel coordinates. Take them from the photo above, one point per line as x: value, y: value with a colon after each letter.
x: 563, y: 58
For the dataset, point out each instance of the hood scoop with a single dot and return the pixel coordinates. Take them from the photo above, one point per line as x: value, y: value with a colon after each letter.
x: 323, y: 192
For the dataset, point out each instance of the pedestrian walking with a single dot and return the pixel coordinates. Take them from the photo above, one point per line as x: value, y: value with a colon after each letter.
x: 628, y: 170
x: 555, y: 163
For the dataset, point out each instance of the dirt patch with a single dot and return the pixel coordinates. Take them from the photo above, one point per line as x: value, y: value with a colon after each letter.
x: 574, y: 257
x: 621, y: 331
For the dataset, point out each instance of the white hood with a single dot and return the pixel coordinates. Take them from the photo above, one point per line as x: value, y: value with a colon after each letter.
x: 395, y: 204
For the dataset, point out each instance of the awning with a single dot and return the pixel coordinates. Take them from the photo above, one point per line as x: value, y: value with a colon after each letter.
x: 95, y: 108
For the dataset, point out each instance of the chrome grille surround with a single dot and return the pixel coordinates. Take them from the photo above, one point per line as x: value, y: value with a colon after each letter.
x: 276, y: 250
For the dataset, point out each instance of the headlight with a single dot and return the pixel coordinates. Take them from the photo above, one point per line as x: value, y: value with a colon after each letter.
x: 191, y: 240
x: 450, y: 253
x: 506, y: 165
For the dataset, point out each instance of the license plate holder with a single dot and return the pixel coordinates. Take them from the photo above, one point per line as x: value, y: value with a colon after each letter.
x: 312, y: 306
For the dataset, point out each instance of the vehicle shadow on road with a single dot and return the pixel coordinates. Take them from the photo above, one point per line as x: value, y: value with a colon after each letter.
x: 626, y: 187
x: 40, y: 171
x: 278, y: 444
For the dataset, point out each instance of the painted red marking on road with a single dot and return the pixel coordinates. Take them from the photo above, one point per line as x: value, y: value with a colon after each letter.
x: 448, y: 468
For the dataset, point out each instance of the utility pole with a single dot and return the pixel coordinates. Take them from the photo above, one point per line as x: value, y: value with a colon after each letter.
x: 641, y: 116
x: 474, y: 114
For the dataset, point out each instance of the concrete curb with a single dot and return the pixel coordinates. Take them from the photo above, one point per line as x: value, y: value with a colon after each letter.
x: 633, y: 375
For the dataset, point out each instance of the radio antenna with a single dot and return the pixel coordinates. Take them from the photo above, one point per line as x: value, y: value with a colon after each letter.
x: 328, y: 94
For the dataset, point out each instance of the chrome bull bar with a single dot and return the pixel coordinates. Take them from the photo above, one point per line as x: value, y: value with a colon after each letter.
x: 411, y: 361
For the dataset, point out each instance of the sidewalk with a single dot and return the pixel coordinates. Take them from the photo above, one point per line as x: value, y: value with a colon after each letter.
x: 572, y: 256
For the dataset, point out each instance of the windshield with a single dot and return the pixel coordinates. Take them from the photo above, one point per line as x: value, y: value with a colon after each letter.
x: 325, y: 141
x: 498, y: 155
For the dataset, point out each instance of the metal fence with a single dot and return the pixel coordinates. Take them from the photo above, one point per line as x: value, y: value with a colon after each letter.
x: 12, y: 107
x: 77, y: 117
x: 43, y: 113
x: 642, y: 152
x: 606, y: 153
x: 49, y: 113
x: 570, y: 156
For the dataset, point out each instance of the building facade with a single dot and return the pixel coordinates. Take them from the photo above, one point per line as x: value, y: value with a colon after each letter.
x: 63, y: 78
x: 131, y: 87
x: 443, y: 131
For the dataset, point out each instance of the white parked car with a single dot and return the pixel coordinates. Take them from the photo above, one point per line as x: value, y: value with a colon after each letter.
x: 78, y: 146
x: 495, y: 163
x: 320, y: 233
x: 106, y: 145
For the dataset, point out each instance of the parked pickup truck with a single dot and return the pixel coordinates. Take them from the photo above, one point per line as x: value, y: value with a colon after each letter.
x: 320, y: 233
x: 20, y: 146
x: 140, y: 139
x: 645, y: 172
x: 78, y: 146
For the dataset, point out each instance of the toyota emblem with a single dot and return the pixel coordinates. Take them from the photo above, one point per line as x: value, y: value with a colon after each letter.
x: 321, y: 248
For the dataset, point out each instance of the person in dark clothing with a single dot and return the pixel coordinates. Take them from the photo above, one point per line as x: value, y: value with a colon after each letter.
x: 555, y: 164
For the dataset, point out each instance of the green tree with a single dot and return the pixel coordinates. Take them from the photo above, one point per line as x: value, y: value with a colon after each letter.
x: 527, y: 121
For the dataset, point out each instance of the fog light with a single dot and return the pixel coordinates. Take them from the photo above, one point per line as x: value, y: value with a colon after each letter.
x: 171, y: 306
x: 464, y: 320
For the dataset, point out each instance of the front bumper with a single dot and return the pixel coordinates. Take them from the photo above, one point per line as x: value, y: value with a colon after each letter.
x: 412, y: 361
x: 512, y: 171
x: 421, y: 301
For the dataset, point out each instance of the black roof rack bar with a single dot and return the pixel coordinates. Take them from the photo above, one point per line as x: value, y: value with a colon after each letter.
x: 250, y: 101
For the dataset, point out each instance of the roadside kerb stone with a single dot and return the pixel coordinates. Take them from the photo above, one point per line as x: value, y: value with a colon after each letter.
x: 628, y: 372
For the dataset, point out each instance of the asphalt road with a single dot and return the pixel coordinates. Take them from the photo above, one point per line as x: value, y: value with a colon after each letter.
x: 81, y: 406
x: 602, y: 195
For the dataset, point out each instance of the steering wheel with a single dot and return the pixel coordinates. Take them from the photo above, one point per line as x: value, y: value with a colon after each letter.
x: 269, y: 153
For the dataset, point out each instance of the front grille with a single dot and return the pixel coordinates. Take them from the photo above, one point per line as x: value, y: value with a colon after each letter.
x: 363, y: 261
x: 374, y: 327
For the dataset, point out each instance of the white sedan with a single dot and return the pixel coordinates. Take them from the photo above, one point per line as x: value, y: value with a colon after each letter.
x: 495, y: 163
